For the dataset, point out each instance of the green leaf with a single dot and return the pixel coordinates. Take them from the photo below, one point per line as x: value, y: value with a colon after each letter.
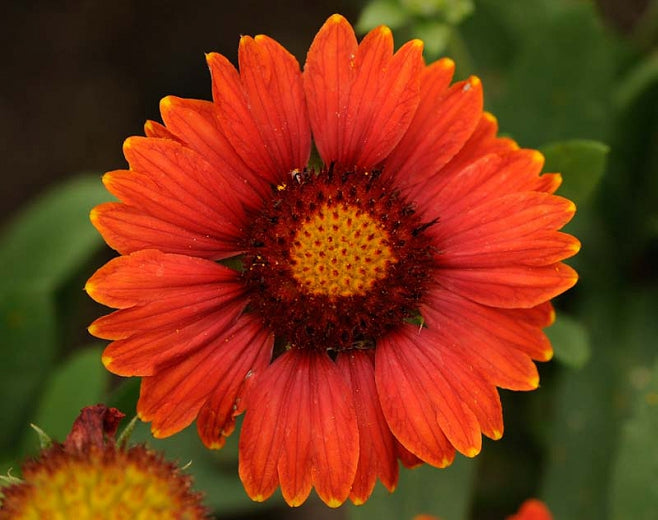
x: 634, y: 489
x: 442, y: 492
x: 635, y: 476
x: 80, y: 381
x: 382, y: 12
x: 435, y: 35
x: 581, y: 163
x: 27, y: 332
x: 641, y: 77
x: 556, y: 75
x: 585, y: 420
x: 50, y: 238
x: 570, y: 341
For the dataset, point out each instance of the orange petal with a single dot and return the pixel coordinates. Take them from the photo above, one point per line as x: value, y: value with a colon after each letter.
x: 441, y: 127
x: 176, y: 310
x: 490, y: 176
x: 127, y: 230
x: 273, y: 84
x: 171, y: 181
x: 422, y: 409
x: 516, y: 286
x: 532, y: 509
x: 408, y: 459
x: 197, y: 123
x: 300, y: 429
x: 377, y: 446
x: 149, y: 275
x: 155, y: 129
x: 145, y: 352
x: 491, y: 340
x: 395, y: 98
x: 172, y: 398
x: 270, y: 148
x: 246, y: 351
x: 361, y: 99
x: 516, y: 229
x: 483, y: 141
x: 328, y: 76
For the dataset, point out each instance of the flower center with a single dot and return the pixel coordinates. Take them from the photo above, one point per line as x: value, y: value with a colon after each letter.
x: 335, y: 260
x: 340, y: 251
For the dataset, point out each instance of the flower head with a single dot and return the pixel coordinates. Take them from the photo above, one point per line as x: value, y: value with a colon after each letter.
x: 360, y: 310
x: 90, y: 477
x: 532, y: 509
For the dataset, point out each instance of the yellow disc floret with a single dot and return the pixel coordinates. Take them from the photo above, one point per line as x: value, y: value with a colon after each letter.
x: 102, y: 484
x: 340, y: 250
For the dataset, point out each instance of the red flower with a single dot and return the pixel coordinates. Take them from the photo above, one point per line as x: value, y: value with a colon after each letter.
x: 361, y: 310
x: 532, y: 509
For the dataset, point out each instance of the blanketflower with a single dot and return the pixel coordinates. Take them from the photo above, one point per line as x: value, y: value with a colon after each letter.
x: 92, y: 477
x: 531, y: 509
x: 360, y: 310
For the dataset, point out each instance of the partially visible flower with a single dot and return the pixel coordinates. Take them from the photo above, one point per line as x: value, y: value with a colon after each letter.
x: 91, y: 477
x: 363, y: 310
x: 532, y: 509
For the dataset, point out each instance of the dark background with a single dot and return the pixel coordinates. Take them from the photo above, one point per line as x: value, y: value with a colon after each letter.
x: 79, y: 76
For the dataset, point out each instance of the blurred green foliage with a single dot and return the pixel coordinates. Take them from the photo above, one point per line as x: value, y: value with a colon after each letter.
x: 559, y: 78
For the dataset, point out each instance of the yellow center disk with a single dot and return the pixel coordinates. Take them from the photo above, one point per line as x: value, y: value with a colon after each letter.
x: 340, y: 251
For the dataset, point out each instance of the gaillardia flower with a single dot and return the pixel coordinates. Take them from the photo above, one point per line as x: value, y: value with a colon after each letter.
x: 532, y: 509
x: 92, y: 477
x: 360, y: 310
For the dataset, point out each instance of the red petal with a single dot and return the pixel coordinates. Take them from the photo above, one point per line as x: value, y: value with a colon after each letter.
x: 361, y: 100
x: 163, y: 315
x: 176, y: 184
x: 516, y: 229
x: 197, y: 123
x: 273, y: 84
x: 155, y: 129
x: 149, y: 275
x: 246, y: 351
x: 174, y: 311
x: 377, y: 446
x: 532, y: 509
x: 474, y: 390
x: 507, y: 169
x: 271, y: 147
x: 510, y: 287
x: 127, y: 230
x: 442, y: 125
x: 408, y: 459
x: 328, y: 76
x: 300, y: 429
x: 172, y: 398
x: 492, y: 340
x: 421, y: 407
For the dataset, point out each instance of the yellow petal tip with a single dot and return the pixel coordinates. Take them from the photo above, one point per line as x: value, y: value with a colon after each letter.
x: 537, y: 157
x: 106, y: 360
x: 490, y: 118
x: 334, y: 502
x: 336, y: 18
x: 472, y: 452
